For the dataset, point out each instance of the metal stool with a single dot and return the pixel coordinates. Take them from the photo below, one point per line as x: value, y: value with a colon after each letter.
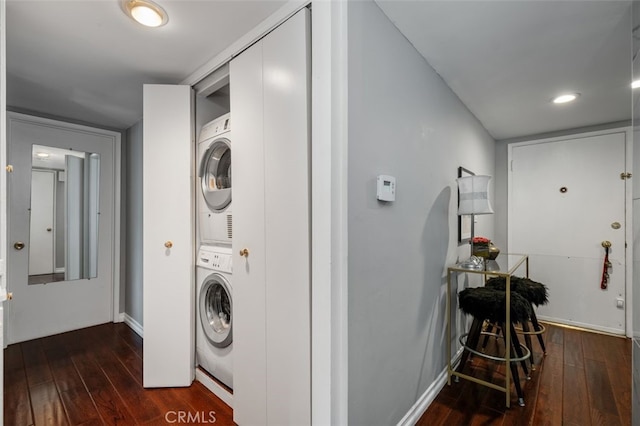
x: 488, y: 304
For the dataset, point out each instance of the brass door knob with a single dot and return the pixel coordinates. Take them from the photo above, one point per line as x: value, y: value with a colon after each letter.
x: 18, y: 245
x: 48, y: 229
x: 9, y: 168
x: 606, y: 244
x: 9, y: 296
x: 244, y: 252
x: 168, y: 244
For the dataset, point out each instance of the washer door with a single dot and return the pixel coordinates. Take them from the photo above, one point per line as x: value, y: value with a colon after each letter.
x: 215, y: 174
x: 216, y: 310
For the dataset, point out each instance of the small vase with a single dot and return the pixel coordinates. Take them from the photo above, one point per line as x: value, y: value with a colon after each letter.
x: 481, y: 250
x: 493, y: 252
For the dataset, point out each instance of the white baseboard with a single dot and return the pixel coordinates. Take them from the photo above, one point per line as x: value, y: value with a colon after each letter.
x: 421, y: 405
x: 581, y: 325
x: 133, y: 324
x: 214, y: 387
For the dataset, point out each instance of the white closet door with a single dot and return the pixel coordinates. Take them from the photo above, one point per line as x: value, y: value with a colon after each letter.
x: 168, y: 273
x: 286, y: 159
x: 249, y: 333
x: 269, y: 110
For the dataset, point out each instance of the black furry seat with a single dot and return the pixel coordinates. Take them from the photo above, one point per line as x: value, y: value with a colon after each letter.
x: 533, y: 291
x: 489, y: 303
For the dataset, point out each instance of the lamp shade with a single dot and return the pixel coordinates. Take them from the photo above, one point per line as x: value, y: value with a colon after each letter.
x: 474, y: 195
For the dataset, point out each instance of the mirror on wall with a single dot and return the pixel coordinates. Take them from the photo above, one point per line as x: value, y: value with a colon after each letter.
x: 64, y: 215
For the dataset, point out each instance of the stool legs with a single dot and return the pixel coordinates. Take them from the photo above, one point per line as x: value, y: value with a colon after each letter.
x: 472, y: 342
x: 536, y: 327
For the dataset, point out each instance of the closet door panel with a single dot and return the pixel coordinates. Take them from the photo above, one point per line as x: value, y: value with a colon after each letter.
x: 249, y: 336
x: 168, y: 273
x: 286, y: 159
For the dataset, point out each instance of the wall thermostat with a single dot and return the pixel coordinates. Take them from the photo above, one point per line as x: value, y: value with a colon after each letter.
x: 386, y: 188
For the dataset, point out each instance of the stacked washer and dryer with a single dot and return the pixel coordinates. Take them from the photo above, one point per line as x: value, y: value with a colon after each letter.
x: 214, y: 338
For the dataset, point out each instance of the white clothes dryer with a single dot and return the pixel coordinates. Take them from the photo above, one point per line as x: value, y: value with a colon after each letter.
x: 214, y: 173
x: 214, y: 335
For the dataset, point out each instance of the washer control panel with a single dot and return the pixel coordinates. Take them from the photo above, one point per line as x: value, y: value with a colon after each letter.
x: 215, y: 258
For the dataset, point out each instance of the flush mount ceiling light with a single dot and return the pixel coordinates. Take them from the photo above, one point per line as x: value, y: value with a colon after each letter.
x: 42, y: 155
x: 635, y: 84
x: 145, y: 12
x: 567, y: 97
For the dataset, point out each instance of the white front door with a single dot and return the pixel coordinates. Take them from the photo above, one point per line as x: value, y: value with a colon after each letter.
x: 39, y: 310
x: 565, y: 198
x: 41, y: 235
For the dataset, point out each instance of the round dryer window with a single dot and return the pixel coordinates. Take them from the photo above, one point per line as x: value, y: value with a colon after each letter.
x: 215, y: 174
x: 216, y: 311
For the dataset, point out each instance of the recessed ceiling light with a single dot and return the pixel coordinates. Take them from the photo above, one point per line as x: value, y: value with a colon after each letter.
x: 42, y: 155
x: 145, y: 12
x: 635, y: 84
x: 567, y: 97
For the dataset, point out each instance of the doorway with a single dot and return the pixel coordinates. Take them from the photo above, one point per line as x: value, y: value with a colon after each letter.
x: 567, y: 201
x: 85, y: 161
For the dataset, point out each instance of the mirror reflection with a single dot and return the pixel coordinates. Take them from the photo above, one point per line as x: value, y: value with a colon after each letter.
x: 63, y: 236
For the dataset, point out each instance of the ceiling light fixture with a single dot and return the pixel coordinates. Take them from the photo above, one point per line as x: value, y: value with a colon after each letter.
x: 145, y: 12
x: 568, y: 97
x: 42, y: 155
x: 635, y: 84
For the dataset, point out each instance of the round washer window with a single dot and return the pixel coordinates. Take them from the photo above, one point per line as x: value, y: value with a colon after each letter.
x: 216, y: 311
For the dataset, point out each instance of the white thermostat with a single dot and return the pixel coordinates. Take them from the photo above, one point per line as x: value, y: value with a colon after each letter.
x: 386, y: 188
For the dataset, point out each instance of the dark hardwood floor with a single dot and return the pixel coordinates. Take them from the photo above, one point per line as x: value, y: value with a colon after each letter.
x: 585, y: 379
x: 93, y: 376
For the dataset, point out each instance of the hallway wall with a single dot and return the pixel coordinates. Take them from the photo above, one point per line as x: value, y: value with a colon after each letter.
x: 406, y: 122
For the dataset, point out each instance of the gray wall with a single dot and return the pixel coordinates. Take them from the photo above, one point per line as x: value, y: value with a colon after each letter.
x: 132, y: 168
x: 406, y: 122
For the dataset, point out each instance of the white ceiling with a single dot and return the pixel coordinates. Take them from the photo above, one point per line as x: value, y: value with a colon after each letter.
x: 85, y: 60
x: 507, y: 59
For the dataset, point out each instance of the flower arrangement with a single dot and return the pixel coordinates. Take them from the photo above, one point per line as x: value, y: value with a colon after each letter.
x: 483, y: 247
x: 480, y: 240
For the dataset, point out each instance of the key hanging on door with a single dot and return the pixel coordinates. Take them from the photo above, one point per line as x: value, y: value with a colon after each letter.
x: 607, y: 264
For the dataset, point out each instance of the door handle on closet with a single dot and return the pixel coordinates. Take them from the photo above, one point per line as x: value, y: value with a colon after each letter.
x: 244, y: 252
x: 18, y: 245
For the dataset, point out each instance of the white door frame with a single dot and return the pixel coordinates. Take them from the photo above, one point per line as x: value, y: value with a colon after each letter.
x: 628, y: 206
x: 117, y: 149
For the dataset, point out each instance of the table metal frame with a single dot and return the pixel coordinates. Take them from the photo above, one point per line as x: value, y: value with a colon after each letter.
x: 507, y: 275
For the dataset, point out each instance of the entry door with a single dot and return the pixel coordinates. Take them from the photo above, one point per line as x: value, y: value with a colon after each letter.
x: 39, y: 310
x: 41, y: 235
x: 565, y: 198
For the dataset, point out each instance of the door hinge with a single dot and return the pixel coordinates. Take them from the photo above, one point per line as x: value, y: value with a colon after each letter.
x: 625, y: 175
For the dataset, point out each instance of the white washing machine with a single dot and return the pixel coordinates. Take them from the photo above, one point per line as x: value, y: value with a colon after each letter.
x: 214, y: 173
x: 214, y: 336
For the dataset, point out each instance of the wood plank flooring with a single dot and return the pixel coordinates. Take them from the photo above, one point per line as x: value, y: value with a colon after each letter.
x: 93, y: 376
x: 585, y: 379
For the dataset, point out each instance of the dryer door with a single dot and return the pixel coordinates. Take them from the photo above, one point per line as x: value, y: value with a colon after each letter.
x: 215, y: 174
x: 216, y: 310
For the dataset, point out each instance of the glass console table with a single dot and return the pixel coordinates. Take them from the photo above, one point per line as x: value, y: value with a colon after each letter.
x: 504, y: 266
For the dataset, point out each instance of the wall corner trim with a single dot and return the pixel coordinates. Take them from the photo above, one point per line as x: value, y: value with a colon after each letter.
x: 133, y: 324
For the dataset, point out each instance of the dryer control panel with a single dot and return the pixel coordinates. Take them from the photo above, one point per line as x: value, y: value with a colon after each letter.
x: 216, y: 259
